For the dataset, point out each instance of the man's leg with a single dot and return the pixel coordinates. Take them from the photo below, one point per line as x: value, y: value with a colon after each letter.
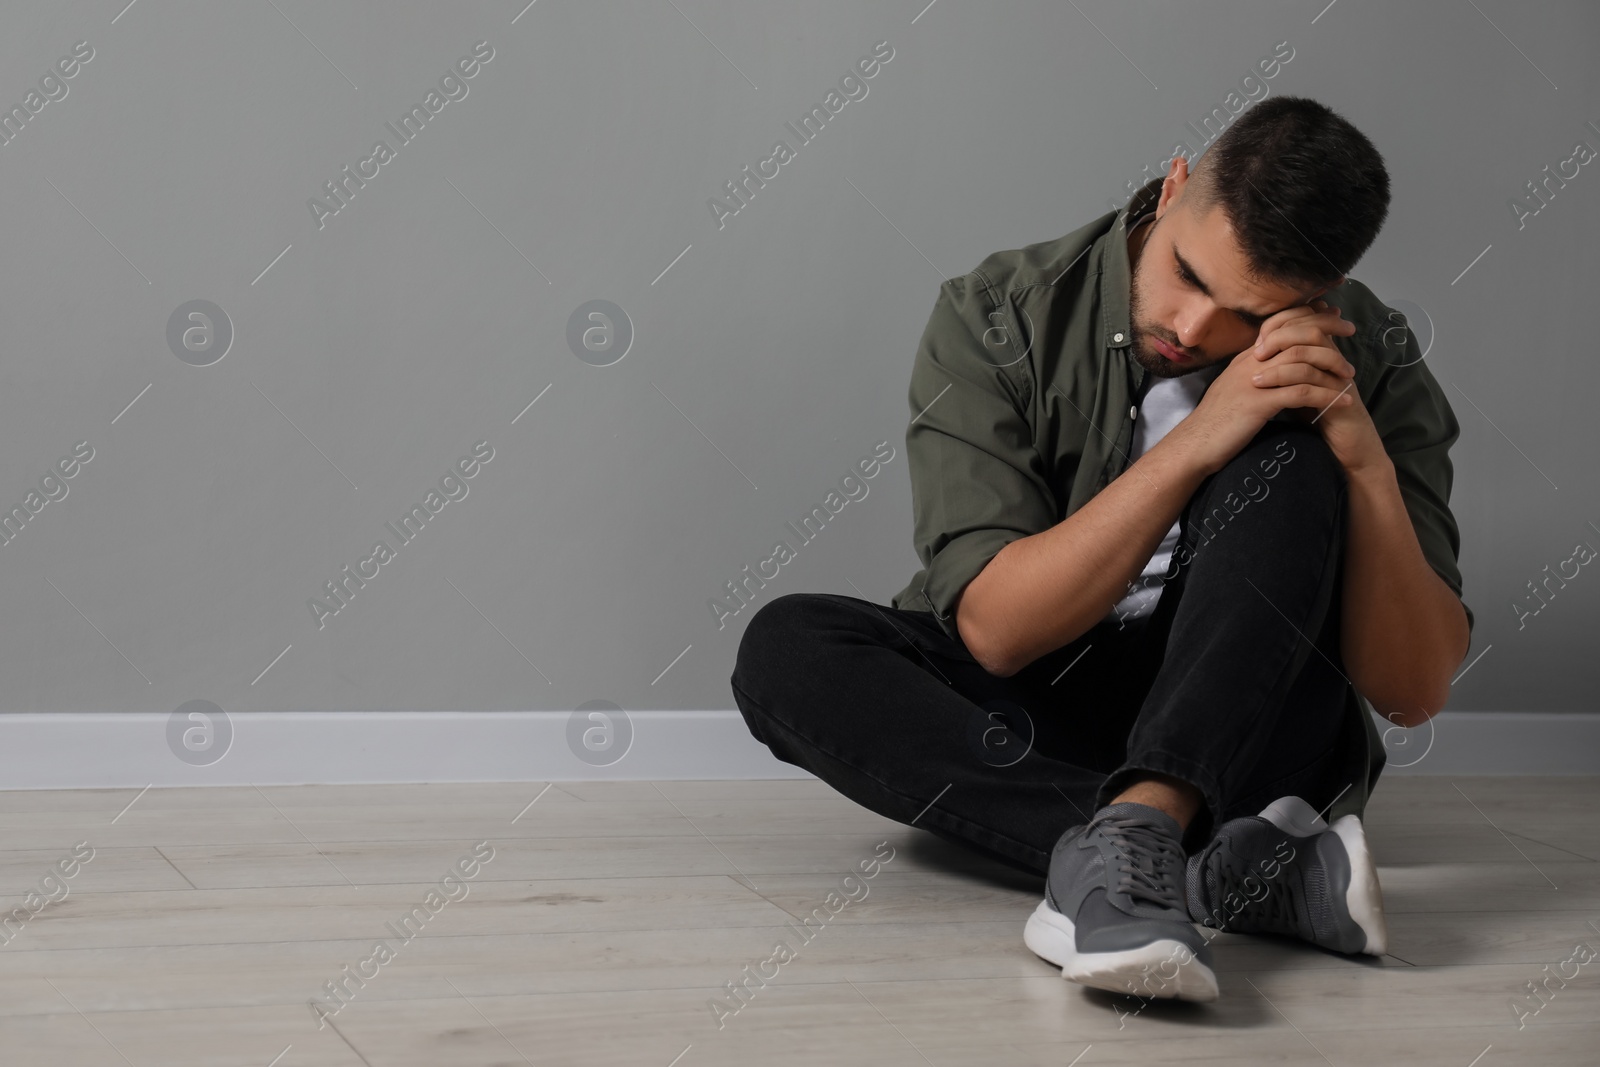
x: 1258, y: 566
x: 893, y: 713
x: 1242, y: 699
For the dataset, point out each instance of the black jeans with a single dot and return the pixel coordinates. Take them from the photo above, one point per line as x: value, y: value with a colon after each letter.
x: 1219, y: 686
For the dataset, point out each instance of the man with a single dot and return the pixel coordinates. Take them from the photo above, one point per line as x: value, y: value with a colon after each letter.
x: 1181, y: 491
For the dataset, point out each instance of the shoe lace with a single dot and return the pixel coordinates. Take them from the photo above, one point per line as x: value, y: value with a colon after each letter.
x: 1278, y: 910
x: 1152, y: 862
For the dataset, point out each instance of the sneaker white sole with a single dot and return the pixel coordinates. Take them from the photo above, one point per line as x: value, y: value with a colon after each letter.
x: 1163, y: 968
x: 1364, y: 897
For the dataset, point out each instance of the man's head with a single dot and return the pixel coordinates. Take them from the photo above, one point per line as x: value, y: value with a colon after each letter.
x: 1278, y: 209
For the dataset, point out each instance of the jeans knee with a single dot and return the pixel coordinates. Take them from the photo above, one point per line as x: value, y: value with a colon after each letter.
x: 1283, y: 445
x: 772, y: 636
x: 783, y: 616
x: 1285, y: 482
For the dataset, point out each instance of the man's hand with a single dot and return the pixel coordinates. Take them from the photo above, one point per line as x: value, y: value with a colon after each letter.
x: 1346, y: 426
x: 1298, y: 367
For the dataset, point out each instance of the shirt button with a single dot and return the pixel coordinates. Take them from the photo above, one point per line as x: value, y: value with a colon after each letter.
x: 1133, y: 412
x: 1116, y: 337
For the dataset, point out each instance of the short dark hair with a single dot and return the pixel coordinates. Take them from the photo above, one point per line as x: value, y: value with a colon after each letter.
x: 1304, y: 190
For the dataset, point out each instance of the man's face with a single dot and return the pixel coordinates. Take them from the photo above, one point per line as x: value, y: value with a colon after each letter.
x: 1175, y: 260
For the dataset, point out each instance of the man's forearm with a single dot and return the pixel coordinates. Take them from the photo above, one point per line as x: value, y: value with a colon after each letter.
x: 1403, y: 630
x: 1042, y: 591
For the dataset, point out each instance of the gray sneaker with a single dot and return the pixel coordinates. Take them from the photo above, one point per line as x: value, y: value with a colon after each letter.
x: 1286, y: 871
x: 1114, y: 915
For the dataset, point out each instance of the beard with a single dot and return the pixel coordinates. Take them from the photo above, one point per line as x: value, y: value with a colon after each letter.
x: 1145, y: 354
x: 1155, y: 363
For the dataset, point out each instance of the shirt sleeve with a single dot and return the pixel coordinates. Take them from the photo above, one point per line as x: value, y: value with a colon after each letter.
x: 977, y: 482
x: 1417, y: 425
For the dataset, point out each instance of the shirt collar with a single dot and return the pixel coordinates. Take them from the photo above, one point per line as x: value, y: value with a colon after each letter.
x: 1116, y: 273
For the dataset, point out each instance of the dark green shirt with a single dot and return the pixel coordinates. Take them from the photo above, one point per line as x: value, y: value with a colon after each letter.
x: 1023, y: 401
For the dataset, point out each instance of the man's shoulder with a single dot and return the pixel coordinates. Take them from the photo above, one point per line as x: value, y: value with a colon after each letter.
x: 1388, y: 351
x: 1066, y: 261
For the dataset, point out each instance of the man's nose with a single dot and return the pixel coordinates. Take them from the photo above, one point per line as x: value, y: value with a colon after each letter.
x: 1194, y: 322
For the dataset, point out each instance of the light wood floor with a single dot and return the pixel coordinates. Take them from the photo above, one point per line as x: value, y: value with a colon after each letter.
x: 612, y: 914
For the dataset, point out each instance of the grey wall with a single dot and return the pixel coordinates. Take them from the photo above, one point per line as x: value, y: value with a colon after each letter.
x: 767, y: 355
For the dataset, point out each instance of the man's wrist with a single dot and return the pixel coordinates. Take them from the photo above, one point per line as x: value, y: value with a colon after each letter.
x: 1179, y: 453
x: 1377, y: 469
x: 1175, y: 456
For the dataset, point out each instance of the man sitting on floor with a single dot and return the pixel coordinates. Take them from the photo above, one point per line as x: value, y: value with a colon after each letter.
x: 1181, y: 493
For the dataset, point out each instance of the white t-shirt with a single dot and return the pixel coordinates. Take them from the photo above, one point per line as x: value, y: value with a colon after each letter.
x: 1166, y: 403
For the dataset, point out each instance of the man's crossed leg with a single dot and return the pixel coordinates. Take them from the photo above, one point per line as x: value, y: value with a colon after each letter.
x: 1156, y: 736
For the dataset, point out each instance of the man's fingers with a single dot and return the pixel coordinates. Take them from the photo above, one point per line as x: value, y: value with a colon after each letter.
x: 1298, y: 373
x: 1309, y: 395
x: 1300, y: 386
x: 1301, y: 311
x: 1308, y: 336
x: 1329, y: 322
x: 1301, y: 319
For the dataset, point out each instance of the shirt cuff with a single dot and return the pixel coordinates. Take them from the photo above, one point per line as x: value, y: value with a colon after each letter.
x: 957, y: 563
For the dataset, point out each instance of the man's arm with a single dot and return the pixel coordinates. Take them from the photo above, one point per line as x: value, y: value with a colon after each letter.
x: 1042, y: 591
x: 1403, y: 629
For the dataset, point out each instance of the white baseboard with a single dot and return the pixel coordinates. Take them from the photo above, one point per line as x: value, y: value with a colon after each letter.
x: 115, y: 750
x: 1495, y: 742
